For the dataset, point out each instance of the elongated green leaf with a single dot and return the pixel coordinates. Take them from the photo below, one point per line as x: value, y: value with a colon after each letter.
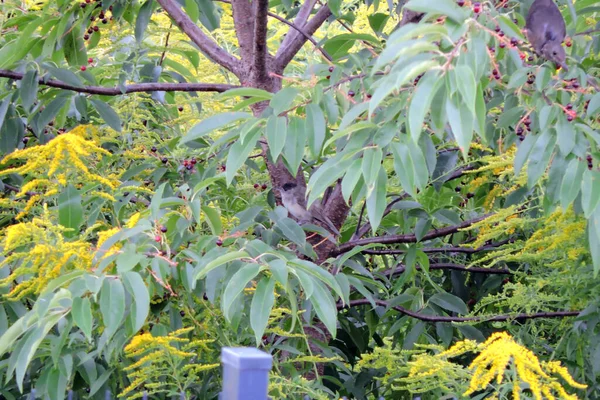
x: 594, y: 244
x: 191, y: 8
x: 236, y: 284
x: 108, y: 114
x: 292, y: 231
x: 82, y: 315
x: 371, y: 165
x: 213, y: 219
x: 276, y: 135
x: 283, y: 100
x: 449, y: 302
x: 64, y: 75
x: 467, y: 87
x: 438, y: 7
x: 143, y: 18
x: 351, y: 179
x: 70, y: 210
x: 421, y: 102
x: 112, y: 305
x: 212, y: 123
x: 261, y: 306
x: 245, y: 92
x: 225, y: 258
x: 50, y: 112
x: 461, y: 122
x: 29, y: 88
x: 571, y: 182
x: 239, y: 153
x: 279, y: 269
x: 141, y: 298
x: 540, y: 157
x: 74, y: 47
x: 404, y: 168
x: 295, y: 142
x: 376, y: 201
x: 590, y: 192
x: 325, y: 307
x: 316, y: 126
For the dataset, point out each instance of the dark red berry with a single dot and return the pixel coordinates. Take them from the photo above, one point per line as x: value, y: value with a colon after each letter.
x: 460, y: 3
x: 519, y: 131
x: 101, y: 15
x: 164, y: 160
x: 514, y: 41
x: 105, y: 21
x: 470, y: 195
x: 110, y: 8
x: 331, y: 68
x: 492, y: 49
x: 157, y: 238
x: 458, y: 189
x: 180, y: 108
x: 93, y: 18
x: 182, y: 313
x: 570, y: 117
x: 328, y: 76
x: 86, y: 36
x: 256, y: 186
x: 83, y: 68
x: 568, y: 43
x: 501, y: 33
x: 189, y: 167
x: 90, y: 60
x: 82, y: 5
x: 89, y: 31
x: 351, y: 93
x: 530, y: 58
x: 569, y: 106
x: 369, y: 95
x: 589, y: 158
x: 502, y: 45
x: 163, y: 229
x: 219, y: 242
x: 193, y: 161
x: 575, y: 85
x: 497, y: 29
x: 96, y: 28
x: 153, y: 149
x: 25, y: 140
x: 264, y: 186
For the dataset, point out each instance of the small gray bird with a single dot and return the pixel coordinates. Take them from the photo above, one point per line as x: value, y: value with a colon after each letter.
x: 292, y: 197
x: 546, y: 30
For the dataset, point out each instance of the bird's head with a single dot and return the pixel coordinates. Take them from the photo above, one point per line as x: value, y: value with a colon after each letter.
x: 554, y: 51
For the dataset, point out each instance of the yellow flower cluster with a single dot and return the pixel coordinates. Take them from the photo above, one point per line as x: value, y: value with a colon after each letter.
x: 53, y: 165
x: 164, y: 361
x: 501, y: 351
x: 38, y: 253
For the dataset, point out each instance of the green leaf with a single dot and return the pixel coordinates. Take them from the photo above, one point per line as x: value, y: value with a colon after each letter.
x: 359, y: 126
x: 371, y: 165
x: 377, y: 21
x: 225, y: 258
x: 236, y: 285
x: 74, y: 47
x: 325, y: 307
x: 64, y: 75
x: 376, y: 201
x: 261, y: 306
x: 594, y: 245
x: 335, y: 7
x: 315, y: 123
x: 245, y: 92
x: 108, y: 114
x: 157, y: 201
x: 50, y: 112
x: 540, y: 157
x: 283, y: 100
x: 461, y: 122
x: 141, y: 298
x: 82, y: 316
x: 571, y: 182
x: 209, y: 16
x: 70, y: 210
x: 295, y: 143
x: 355, y: 112
x: 404, y: 168
x: 191, y: 8
x: 112, y: 305
x: 276, y: 135
x: 566, y: 135
x: 421, y: 102
x: 594, y: 105
x: 292, y: 231
x: 239, y: 153
x: 29, y: 88
x: 212, y: 123
x: 279, y: 269
x: 213, y: 219
x: 351, y: 179
x: 438, y: 7
x: 127, y: 260
x: 449, y: 302
x: 143, y: 18
x: 57, y: 384
x: 467, y: 87
x: 338, y: 46
x: 590, y: 192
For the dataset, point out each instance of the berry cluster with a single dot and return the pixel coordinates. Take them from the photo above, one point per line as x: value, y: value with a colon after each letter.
x: 260, y: 187
x: 189, y: 164
x: 520, y: 131
x: 590, y: 162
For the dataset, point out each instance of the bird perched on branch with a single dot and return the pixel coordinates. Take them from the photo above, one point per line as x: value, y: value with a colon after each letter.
x: 292, y: 197
x: 546, y: 30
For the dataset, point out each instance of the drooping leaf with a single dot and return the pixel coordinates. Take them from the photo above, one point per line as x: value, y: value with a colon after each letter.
x: 143, y: 18
x: 108, y: 114
x: 212, y: 123
x: 260, y: 309
x: 141, y: 298
x: 236, y: 285
x: 70, y: 210
x: 112, y: 305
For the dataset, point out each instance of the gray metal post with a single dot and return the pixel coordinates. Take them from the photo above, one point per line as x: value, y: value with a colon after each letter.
x: 245, y: 373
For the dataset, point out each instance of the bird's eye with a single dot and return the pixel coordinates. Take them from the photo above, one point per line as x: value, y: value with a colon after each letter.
x: 554, y: 53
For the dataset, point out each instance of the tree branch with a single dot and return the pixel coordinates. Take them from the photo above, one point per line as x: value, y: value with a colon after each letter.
x: 287, y: 53
x: 464, y: 250
x: 243, y: 21
x: 299, y: 21
x: 259, y: 65
x: 409, y: 238
x: 115, y: 91
x: 457, y: 267
x: 437, y: 318
x: 205, y: 43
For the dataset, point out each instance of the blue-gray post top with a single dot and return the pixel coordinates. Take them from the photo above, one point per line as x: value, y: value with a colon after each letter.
x: 243, y: 358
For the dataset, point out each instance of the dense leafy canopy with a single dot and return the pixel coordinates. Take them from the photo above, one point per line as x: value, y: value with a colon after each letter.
x: 141, y: 144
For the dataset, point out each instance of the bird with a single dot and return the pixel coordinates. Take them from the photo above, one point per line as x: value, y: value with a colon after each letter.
x: 292, y: 197
x: 546, y: 30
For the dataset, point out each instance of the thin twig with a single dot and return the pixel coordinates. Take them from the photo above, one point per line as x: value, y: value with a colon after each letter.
x: 162, y: 57
x: 483, y: 318
x: 457, y: 267
x: 115, y: 91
